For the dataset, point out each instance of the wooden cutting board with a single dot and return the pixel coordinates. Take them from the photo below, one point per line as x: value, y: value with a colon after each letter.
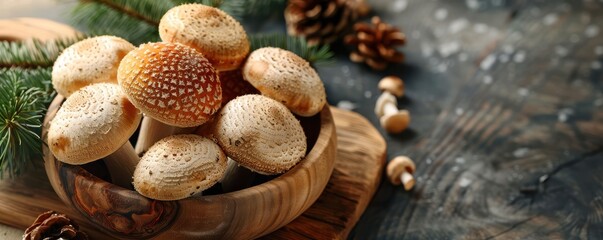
x: 361, y: 153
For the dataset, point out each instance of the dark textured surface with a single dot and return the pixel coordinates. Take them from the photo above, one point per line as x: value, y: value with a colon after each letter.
x: 510, y: 149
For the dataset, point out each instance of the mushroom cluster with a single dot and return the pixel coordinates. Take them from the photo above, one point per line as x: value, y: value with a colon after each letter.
x: 204, y: 106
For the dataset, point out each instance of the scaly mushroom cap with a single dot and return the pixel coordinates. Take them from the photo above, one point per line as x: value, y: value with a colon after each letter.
x: 287, y: 78
x: 212, y: 32
x: 93, y: 60
x: 261, y: 134
x: 178, y: 167
x: 93, y: 123
x: 171, y: 83
x: 233, y: 85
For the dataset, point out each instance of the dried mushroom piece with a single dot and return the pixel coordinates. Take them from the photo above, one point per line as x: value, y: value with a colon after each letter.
x: 178, y: 167
x: 93, y: 60
x: 212, y: 32
x: 261, y: 134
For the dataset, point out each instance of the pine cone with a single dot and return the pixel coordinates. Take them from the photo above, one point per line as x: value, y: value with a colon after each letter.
x: 53, y: 226
x: 322, y: 21
x: 375, y: 44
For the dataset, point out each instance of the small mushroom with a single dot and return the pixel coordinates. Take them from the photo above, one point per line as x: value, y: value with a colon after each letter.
x: 95, y: 123
x: 391, y: 118
x: 93, y: 60
x: 173, y: 85
x: 178, y: 167
x: 212, y: 32
x: 287, y: 78
x: 400, y: 170
x: 393, y: 85
x: 261, y: 134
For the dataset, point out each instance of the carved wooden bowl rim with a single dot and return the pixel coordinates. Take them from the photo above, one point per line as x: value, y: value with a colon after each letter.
x: 324, y: 144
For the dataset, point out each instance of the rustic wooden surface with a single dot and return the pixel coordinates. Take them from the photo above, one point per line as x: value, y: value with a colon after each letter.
x: 506, y: 99
x: 355, y: 178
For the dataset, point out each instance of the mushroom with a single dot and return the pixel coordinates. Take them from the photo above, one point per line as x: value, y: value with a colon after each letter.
x: 178, y: 167
x: 89, y: 61
x: 287, y: 78
x: 236, y: 177
x: 212, y: 32
x: 391, y: 118
x: 233, y: 85
x: 260, y: 134
x: 173, y: 85
x: 393, y: 85
x: 400, y: 170
x: 95, y: 123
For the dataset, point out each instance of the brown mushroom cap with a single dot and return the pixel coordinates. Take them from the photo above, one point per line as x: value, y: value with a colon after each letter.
x: 261, y: 134
x: 397, y: 166
x: 93, y: 123
x: 178, y: 167
x: 393, y: 85
x: 171, y: 83
x: 397, y: 122
x: 287, y: 78
x: 233, y: 85
x: 93, y: 60
x: 210, y: 31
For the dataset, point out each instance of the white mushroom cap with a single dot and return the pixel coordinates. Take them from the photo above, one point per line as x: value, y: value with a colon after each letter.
x: 393, y: 85
x: 209, y: 30
x: 383, y: 99
x: 172, y: 83
x: 92, y: 60
x: 287, y: 78
x: 178, y: 167
x: 261, y: 134
x: 93, y: 123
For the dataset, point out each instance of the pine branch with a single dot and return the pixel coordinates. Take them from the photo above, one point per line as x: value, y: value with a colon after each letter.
x: 99, y: 18
x: 32, y: 54
x: 240, y: 9
x: 21, y: 116
x: 316, y: 55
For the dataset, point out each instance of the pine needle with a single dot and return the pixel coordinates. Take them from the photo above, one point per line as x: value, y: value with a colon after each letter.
x: 316, y: 55
x: 21, y: 113
x: 32, y: 54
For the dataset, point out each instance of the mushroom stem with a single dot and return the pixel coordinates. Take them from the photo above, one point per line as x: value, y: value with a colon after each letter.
x: 236, y: 177
x: 152, y: 131
x: 390, y: 109
x: 121, y: 165
x: 407, y: 180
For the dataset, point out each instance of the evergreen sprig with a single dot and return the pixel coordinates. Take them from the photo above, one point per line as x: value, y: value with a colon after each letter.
x: 21, y: 112
x: 314, y: 54
x: 32, y: 54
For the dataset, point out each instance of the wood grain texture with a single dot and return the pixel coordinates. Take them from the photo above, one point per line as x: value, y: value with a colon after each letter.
x: 244, y: 214
x: 507, y: 129
x: 356, y: 175
x: 20, y: 29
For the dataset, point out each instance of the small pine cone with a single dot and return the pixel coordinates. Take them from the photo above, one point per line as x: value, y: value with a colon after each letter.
x: 321, y: 21
x: 375, y: 44
x: 53, y: 226
x: 233, y: 85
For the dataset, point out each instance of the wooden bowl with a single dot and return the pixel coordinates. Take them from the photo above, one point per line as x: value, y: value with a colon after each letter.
x: 244, y: 214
